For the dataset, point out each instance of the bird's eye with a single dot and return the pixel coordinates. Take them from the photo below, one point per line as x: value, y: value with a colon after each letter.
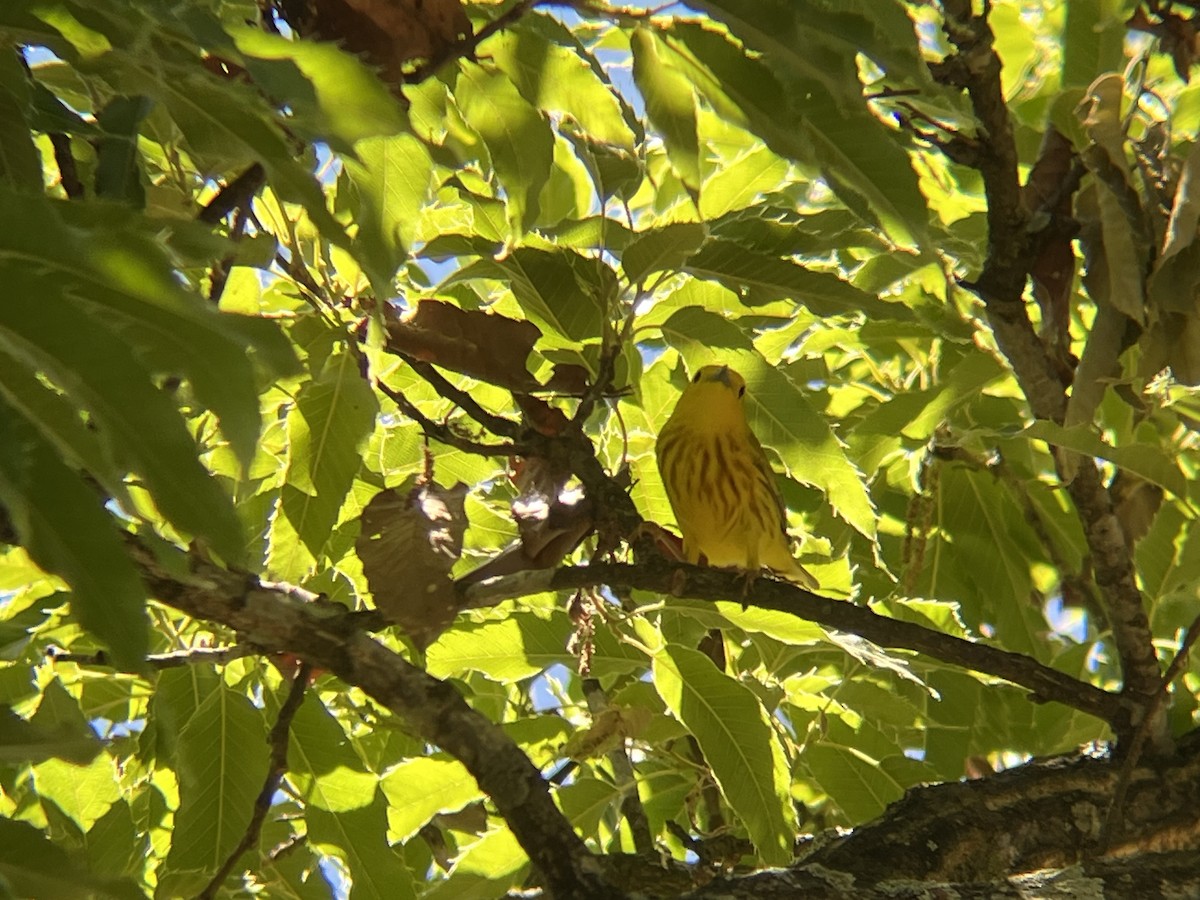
x: 696, y: 378
x: 741, y: 390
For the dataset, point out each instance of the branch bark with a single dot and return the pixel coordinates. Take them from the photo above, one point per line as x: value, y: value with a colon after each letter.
x: 326, y: 635
x: 700, y: 583
x: 1011, y: 253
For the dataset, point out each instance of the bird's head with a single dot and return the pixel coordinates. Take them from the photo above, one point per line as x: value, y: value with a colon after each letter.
x: 715, y: 396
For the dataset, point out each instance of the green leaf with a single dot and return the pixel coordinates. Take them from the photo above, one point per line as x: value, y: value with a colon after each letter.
x: 658, y: 249
x: 20, y: 165
x: 360, y: 838
x: 331, y: 418
x: 564, y: 293
x: 62, y: 524
x: 347, y: 103
x: 391, y: 177
x: 553, y: 71
x: 670, y: 104
x: 1093, y: 41
x: 122, y: 273
x: 227, y: 124
x: 509, y: 650
x: 742, y: 182
x: 768, y: 278
x: 328, y: 773
x: 221, y: 759
x: 738, y: 742
x: 118, y: 163
x: 33, y: 741
x: 516, y: 134
x: 855, y: 782
x: 779, y: 414
x: 83, y: 793
x: 58, y: 422
x: 1148, y: 461
x: 798, y: 118
x: 31, y: 866
x: 419, y: 789
x: 136, y: 419
x: 488, y: 868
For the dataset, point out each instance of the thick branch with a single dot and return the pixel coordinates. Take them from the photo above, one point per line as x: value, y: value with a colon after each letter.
x: 1001, y: 284
x: 700, y: 583
x: 326, y: 635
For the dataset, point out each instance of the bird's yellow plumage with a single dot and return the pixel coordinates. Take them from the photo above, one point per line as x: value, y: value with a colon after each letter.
x: 720, y: 483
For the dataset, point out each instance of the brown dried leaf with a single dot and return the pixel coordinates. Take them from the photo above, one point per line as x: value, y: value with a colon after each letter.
x: 411, y: 536
x: 608, y: 731
x: 386, y: 33
x: 551, y: 521
x: 541, y: 416
x: 1135, y: 503
x: 1054, y: 269
x: 569, y: 379
x: 483, y: 345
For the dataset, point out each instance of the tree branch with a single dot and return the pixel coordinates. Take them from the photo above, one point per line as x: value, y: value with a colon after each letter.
x: 467, y: 46
x: 1001, y: 285
x: 213, y: 656
x: 444, y: 433
x: 68, y: 172
x: 326, y: 635
x: 699, y: 583
x: 464, y: 401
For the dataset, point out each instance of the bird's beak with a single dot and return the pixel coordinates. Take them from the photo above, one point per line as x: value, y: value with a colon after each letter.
x: 723, y: 377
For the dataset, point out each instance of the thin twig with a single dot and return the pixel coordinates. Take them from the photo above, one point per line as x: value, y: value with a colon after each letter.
x: 68, y: 172
x: 215, y: 656
x: 466, y: 47
x: 464, y: 401
x: 277, y: 768
x: 445, y: 434
x: 700, y: 583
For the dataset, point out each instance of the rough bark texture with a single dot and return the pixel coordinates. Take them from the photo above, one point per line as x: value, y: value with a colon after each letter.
x: 282, y: 619
x: 964, y: 839
x: 1013, y: 250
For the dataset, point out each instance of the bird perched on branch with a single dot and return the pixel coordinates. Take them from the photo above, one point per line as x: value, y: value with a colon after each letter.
x: 720, y: 484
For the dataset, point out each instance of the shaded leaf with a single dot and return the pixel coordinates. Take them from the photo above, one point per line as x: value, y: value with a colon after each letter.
x: 1144, y: 460
x: 392, y: 179
x: 410, y: 539
x: 31, y: 741
x: 118, y: 163
x: 670, y: 104
x: 61, y: 522
x: 332, y: 416
x: 768, y: 278
x: 32, y: 866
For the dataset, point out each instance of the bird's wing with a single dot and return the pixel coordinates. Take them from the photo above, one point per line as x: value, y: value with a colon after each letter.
x: 763, y: 464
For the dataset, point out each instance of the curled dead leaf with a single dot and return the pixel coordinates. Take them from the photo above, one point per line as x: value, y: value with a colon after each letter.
x: 410, y: 538
x: 483, y: 345
x: 386, y: 33
x: 608, y: 731
x: 552, y: 519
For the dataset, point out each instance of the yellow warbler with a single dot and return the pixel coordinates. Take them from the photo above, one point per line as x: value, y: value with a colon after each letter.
x: 719, y: 482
